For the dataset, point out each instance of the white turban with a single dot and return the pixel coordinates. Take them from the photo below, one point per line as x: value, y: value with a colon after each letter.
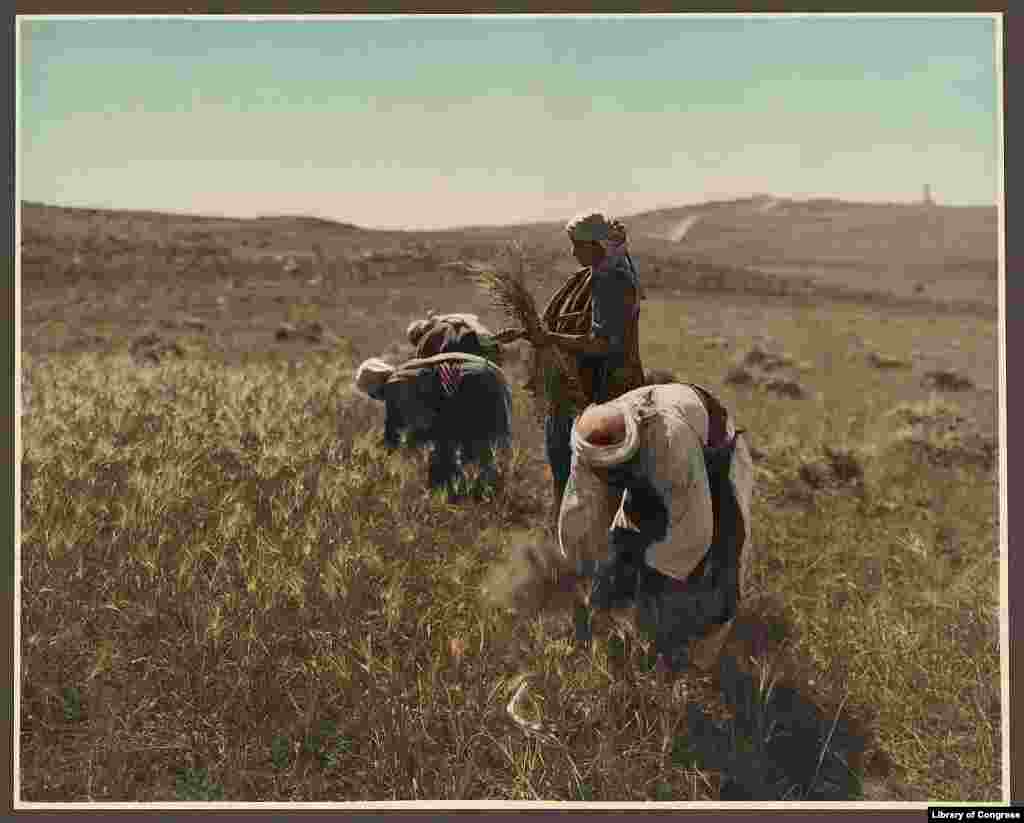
x: 372, y: 374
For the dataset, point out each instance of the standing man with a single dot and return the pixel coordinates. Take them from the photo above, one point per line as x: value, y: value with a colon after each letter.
x: 607, y: 354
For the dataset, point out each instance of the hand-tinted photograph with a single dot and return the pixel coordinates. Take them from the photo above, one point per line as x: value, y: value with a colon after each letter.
x: 578, y: 409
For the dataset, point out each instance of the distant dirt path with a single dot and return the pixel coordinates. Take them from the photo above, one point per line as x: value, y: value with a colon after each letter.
x: 684, y: 225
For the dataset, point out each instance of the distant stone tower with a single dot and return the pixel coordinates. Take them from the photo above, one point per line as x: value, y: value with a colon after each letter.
x: 927, y: 197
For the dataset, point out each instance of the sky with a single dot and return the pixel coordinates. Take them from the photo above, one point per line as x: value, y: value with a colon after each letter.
x: 435, y: 122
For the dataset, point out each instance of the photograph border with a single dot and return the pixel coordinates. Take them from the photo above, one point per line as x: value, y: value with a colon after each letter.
x: 1011, y: 299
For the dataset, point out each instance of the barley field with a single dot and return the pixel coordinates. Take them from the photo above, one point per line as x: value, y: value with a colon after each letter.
x: 230, y: 591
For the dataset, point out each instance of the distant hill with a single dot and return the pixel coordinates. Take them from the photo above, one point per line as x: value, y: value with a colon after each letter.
x: 754, y: 244
x: 903, y: 241
x: 909, y: 250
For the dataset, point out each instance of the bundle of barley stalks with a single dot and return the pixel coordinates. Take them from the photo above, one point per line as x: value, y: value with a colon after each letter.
x: 554, y: 372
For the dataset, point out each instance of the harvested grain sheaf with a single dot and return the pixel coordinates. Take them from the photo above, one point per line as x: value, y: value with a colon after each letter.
x: 552, y: 369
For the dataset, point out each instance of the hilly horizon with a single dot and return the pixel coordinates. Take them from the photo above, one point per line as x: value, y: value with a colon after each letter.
x: 761, y: 202
x: 907, y: 250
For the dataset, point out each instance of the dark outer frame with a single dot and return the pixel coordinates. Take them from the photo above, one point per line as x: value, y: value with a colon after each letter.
x: 1014, y: 331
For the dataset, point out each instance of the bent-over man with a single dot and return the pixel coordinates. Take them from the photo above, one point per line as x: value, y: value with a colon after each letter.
x: 450, y: 333
x: 459, y: 403
x: 675, y: 547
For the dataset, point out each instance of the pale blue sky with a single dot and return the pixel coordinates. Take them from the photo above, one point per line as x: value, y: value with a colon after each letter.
x: 433, y: 122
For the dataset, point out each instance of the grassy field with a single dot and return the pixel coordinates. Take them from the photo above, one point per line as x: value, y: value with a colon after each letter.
x: 230, y: 592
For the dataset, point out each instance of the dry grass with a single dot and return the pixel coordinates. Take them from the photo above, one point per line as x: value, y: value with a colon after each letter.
x: 229, y: 591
